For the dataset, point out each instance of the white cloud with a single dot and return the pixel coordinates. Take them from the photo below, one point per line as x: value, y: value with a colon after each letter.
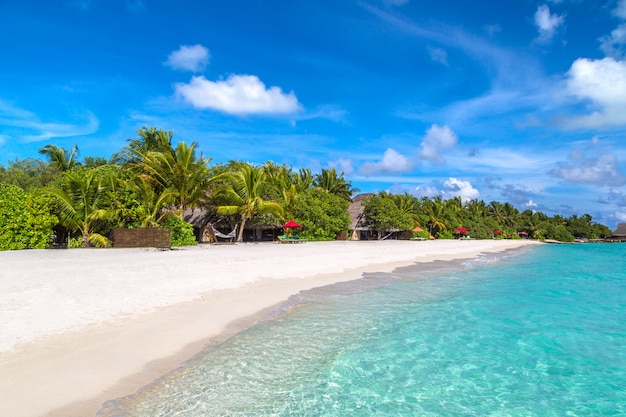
x: 392, y: 163
x: 613, y: 45
x: 456, y: 188
x: 531, y: 203
x: 621, y: 216
x: 342, y: 165
x: 238, y: 94
x: 426, y: 191
x: 603, y: 83
x: 29, y: 128
x: 452, y: 187
x: 602, y: 171
x: 193, y: 58
x: 547, y: 23
x: 438, y: 55
x: 620, y: 10
x: 437, y: 139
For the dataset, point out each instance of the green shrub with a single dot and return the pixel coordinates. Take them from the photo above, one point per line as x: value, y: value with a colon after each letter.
x: 25, y: 219
x: 182, y: 232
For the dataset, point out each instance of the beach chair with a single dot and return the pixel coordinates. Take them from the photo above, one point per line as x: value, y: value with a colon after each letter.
x: 290, y: 239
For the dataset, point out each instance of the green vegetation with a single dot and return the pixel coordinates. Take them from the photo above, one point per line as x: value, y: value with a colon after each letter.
x: 152, y: 181
x: 26, y: 221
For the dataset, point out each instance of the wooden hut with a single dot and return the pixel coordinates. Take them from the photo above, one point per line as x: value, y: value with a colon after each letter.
x: 619, y: 234
x: 359, y: 229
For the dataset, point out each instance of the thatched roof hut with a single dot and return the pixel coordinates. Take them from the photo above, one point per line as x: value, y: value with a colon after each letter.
x: 619, y: 234
x: 356, y: 210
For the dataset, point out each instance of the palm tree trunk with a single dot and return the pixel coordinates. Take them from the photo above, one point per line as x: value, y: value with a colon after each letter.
x: 243, y: 223
x: 85, y: 238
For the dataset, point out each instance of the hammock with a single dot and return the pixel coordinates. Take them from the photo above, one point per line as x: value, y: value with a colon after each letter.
x: 231, y: 235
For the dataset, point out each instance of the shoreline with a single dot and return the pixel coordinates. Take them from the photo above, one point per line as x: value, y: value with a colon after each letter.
x: 167, y: 307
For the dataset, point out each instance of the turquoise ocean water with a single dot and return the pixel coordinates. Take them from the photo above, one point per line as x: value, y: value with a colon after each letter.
x: 540, y: 333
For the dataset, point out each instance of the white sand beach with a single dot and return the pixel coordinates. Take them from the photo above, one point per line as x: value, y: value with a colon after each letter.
x: 80, y: 327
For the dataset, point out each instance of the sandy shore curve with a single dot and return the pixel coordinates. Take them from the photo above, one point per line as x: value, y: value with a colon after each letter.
x: 80, y: 327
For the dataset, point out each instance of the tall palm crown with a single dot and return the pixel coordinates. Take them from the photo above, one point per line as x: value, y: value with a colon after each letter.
x: 81, y: 203
x: 333, y: 183
x: 60, y: 158
x: 243, y: 195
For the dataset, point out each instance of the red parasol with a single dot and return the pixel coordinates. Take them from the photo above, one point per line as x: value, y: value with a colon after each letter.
x: 461, y: 230
x: 291, y: 225
x: 497, y: 232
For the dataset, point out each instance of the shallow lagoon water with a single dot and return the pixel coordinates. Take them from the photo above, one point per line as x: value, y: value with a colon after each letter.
x: 540, y: 333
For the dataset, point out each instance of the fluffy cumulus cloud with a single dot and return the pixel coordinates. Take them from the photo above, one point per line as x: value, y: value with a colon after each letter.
x: 392, y: 162
x: 547, y: 23
x: 193, y: 58
x: 456, y: 188
x: 452, y: 187
x: 603, y: 84
x: 238, y: 94
x: 437, y: 140
x: 602, y: 171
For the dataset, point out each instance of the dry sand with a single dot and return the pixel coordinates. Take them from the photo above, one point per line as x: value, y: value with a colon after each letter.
x: 80, y: 327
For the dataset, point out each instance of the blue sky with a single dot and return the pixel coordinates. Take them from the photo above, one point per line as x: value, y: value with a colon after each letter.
x: 521, y: 101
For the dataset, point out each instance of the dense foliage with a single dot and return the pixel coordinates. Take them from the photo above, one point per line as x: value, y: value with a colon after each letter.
x: 322, y: 215
x: 152, y: 181
x: 444, y: 218
x: 25, y: 219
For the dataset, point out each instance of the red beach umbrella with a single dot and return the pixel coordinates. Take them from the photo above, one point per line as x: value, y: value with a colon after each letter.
x: 461, y: 230
x: 291, y: 225
x: 497, y: 232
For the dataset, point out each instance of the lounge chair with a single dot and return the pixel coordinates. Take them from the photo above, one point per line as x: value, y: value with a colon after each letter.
x: 290, y: 239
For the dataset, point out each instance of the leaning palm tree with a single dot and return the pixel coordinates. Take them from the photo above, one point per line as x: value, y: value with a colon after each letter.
x: 81, y: 202
x: 242, y: 194
x: 60, y: 158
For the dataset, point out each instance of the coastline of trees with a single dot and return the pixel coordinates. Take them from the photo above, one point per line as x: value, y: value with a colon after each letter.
x: 151, y: 182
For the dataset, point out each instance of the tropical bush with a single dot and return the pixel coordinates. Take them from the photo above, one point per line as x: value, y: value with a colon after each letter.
x: 182, y: 232
x: 25, y: 219
x: 322, y: 215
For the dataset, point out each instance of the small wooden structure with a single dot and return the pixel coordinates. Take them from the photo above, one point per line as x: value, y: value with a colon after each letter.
x: 151, y: 237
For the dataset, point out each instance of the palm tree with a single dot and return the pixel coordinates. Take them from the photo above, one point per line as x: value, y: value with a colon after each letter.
x: 180, y: 171
x: 81, y: 201
x: 152, y: 203
x: 150, y: 139
x: 497, y: 212
x: 435, y: 213
x: 333, y: 183
x: 243, y: 195
x: 510, y: 215
x: 60, y: 158
x: 303, y: 180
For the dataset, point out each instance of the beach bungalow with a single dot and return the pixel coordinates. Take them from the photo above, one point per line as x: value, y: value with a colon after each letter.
x: 359, y: 227
x: 619, y: 234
